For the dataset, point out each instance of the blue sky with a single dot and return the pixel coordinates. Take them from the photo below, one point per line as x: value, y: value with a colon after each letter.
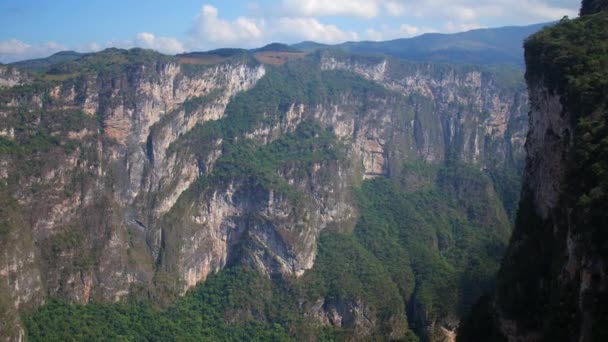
x: 35, y: 28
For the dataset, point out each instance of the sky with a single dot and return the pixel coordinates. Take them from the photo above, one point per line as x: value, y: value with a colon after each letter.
x: 39, y: 28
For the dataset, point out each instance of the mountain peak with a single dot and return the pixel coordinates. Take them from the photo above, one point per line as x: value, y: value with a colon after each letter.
x: 277, y: 47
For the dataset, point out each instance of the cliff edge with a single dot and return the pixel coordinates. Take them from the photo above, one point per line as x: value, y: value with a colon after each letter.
x: 553, y: 282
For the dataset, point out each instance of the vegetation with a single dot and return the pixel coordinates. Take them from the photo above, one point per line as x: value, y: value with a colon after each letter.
x: 573, y: 57
x: 593, y: 6
x: 230, y: 306
x: 571, y: 61
x: 307, y: 145
x: 44, y: 64
x: 265, y: 105
x: 480, y: 324
x: 484, y: 46
x: 450, y: 243
x: 40, y: 133
x: 108, y: 60
x: 417, y: 253
x: 421, y: 249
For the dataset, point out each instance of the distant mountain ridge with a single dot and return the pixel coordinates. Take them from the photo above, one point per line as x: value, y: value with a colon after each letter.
x: 45, y: 64
x: 277, y: 47
x: 503, y: 45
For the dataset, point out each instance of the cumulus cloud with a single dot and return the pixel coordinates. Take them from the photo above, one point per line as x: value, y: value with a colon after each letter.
x: 464, y: 10
x: 314, y: 8
x: 394, y: 8
x: 445, y: 15
x: 13, y: 47
x: 543, y: 10
x: 145, y: 40
x: 297, y: 29
x: 210, y: 31
x: 467, y: 10
x: 14, y: 50
x: 163, y: 44
x: 296, y: 20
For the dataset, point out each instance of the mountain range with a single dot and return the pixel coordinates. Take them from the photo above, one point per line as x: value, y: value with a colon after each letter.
x: 359, y: 191
x: 502, y: 45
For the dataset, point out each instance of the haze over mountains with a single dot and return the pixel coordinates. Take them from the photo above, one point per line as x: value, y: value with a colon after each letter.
x: 482, y: 46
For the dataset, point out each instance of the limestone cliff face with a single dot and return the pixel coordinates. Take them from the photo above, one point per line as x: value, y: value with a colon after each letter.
x: 102, y: 184
x: 10, y: 76
x: 553, y: 280
x: 471, y: 118
x: 111, y: 204
x: 549, y: 141
x: 549, y: 152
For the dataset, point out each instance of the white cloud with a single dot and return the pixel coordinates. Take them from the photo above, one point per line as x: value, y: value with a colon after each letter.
x: 14, y: 50
x: 522, y: 11
x: 145, y: 40
x: 163, y: 44
x: 210, y: 31
x: 542, y: 10
x: 409, y: 30
x: 451, y: 16
x: 394, y: 8
x: 296, y: 20
x: 451, y: 27
x: 464, y: 13
x: 13, y: 47
x: 91, y: 47
x: 529, y: 11
x: 313, y: 8
x: 373, y: 34
x: 297, y: 29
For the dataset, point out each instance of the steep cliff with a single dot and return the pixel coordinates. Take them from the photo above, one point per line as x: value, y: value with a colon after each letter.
x: 11, y: 76
x: 552, y: 284
x: 133, y: 174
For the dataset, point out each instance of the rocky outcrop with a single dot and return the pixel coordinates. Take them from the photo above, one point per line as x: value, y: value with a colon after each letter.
x: 553, y: 283
x: 121, y: 200
x: 459, y: 110
x: 549, y: 140
x: 10, y: 77
x: 278, y: 237
x: 346, y: 314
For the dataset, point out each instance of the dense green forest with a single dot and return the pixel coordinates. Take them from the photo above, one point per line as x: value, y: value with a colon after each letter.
x: 429, y: 248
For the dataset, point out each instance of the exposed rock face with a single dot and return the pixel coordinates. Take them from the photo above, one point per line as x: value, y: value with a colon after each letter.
x: 549, y: 145
x: 10, y: 77
x: 549, y: 141
x: 347, y: 314
x: 553, y: 281
x: 466, y: 107
x: 113, y: 207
